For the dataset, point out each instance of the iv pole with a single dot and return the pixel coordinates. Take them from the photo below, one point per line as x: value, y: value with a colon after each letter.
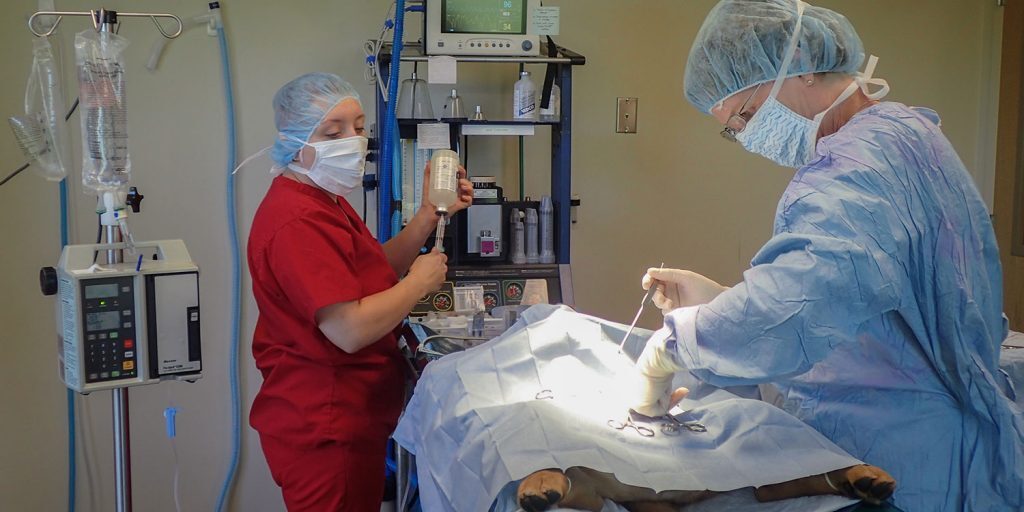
x: 103, y: 20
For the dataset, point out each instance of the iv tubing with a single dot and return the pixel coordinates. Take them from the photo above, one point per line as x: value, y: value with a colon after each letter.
x: 236, y: 278
x: 72, y: 458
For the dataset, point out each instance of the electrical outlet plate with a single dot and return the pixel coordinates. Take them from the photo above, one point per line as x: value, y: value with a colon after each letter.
x: 625, y: 115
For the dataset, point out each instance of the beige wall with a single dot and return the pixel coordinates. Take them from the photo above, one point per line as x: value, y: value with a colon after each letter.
x: 674, y: 192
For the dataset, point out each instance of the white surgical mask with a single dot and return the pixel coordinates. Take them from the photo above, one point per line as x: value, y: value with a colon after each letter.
x: 338, y: 166
x: 785, y: 137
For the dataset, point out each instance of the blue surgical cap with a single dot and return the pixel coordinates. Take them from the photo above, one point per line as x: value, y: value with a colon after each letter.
x: 743, y: 42
x: 300, y: 106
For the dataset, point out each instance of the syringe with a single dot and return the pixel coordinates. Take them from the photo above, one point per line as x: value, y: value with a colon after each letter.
x: 439, y: 234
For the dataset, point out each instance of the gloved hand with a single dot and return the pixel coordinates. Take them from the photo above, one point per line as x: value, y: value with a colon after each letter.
x: 680, y: 288
x: 655, y: 369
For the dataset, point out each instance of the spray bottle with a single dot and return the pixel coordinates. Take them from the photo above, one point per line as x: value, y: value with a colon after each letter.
x: 518, y: 239
x: 531, y: 236
x: 547, y: 226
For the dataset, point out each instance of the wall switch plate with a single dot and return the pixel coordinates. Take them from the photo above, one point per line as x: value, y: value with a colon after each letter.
x: 625, y: 115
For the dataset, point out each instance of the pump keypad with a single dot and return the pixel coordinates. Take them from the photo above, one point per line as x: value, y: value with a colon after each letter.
x: 108, y: 327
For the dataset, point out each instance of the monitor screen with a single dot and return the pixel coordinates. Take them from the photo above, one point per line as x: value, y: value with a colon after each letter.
x: 483, y: 16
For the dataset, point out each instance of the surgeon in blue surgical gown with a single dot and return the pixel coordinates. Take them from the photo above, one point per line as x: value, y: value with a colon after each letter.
x: 876, y: 306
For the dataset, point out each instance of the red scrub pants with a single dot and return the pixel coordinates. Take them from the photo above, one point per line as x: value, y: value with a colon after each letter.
x: 331, y: 477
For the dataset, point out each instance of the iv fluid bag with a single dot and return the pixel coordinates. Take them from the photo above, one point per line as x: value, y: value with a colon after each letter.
x: 41, y: 133
x: 103, y: 110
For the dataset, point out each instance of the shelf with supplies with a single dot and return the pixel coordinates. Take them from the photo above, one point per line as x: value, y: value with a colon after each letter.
x: 483, y: 241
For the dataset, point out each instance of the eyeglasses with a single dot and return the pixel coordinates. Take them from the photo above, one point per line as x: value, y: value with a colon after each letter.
x: 737, y: 122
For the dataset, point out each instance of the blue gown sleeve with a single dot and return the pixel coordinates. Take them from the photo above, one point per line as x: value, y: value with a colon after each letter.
x: 831, y: 265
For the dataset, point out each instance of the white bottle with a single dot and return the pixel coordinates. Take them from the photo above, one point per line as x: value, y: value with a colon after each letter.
x: 547, y: 227
x: 518, y: 243
x: 554, y: 109
x: 444, y: 179
x: 524, y: 104
x: 532, y: 255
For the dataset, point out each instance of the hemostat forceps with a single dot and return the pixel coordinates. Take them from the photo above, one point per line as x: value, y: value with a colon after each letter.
x: 643, y: 430
x: 672, y: 426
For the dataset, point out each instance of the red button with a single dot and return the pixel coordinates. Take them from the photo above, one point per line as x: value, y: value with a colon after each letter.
x: 129, y: 343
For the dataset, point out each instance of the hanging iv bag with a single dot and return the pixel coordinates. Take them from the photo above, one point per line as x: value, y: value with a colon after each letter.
x: 40, y: 132
x: 99, y: 61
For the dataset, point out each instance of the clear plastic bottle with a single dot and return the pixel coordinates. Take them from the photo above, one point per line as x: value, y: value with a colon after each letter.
x: 444, y: 180
x: 532, y: 256
x: 524, y: 103
x: 547, y: 227
x: 453, y: 107
x: 554, y: 109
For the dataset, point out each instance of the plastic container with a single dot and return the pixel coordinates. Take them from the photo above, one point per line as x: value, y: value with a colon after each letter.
x: 554, y: 109
x: 444, y: 180
x: 532, y: 256
x: 524, y: 103
x: 547, y: 230
x: 414, y: 99
x: 453, y: 107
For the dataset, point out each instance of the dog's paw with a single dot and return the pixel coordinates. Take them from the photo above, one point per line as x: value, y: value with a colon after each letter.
x: 542, y: 490
x: 868, y: 483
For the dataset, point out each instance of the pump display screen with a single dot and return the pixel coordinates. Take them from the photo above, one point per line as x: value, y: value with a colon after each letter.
x: 483, y: 16
x: 103, y: 321
x: 101, y: 291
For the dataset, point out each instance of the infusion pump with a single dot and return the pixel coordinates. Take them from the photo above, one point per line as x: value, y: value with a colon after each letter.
x: 126, y: 324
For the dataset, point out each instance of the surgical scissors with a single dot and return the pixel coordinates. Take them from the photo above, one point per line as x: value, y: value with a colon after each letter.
x: 643, y: 430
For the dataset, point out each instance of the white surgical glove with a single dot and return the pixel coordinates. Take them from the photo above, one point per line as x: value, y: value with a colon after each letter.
x: 680, y: 288
x: 655, y: 369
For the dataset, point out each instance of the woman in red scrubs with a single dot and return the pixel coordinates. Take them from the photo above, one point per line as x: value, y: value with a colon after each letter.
x: 330, y: 301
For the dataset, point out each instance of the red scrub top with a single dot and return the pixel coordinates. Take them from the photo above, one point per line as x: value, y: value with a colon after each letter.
x: 307, y: 251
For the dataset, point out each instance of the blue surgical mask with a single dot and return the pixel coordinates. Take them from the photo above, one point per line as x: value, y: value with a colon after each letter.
x: 780, y: 135
x: 785, y: 137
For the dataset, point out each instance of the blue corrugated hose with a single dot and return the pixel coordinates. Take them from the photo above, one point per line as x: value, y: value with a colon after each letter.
x: 384, y: 224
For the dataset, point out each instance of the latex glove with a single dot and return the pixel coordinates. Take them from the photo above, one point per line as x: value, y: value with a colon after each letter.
x: 655, y: 369
x: 680, y: 288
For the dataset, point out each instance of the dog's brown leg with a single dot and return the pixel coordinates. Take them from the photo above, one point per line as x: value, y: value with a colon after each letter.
x: 651, y: 506
x: 546, y: 489
x: 864, y: 482
x: 639, y: 499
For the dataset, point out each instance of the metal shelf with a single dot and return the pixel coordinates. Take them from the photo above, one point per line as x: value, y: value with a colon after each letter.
x: 540, y: 122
